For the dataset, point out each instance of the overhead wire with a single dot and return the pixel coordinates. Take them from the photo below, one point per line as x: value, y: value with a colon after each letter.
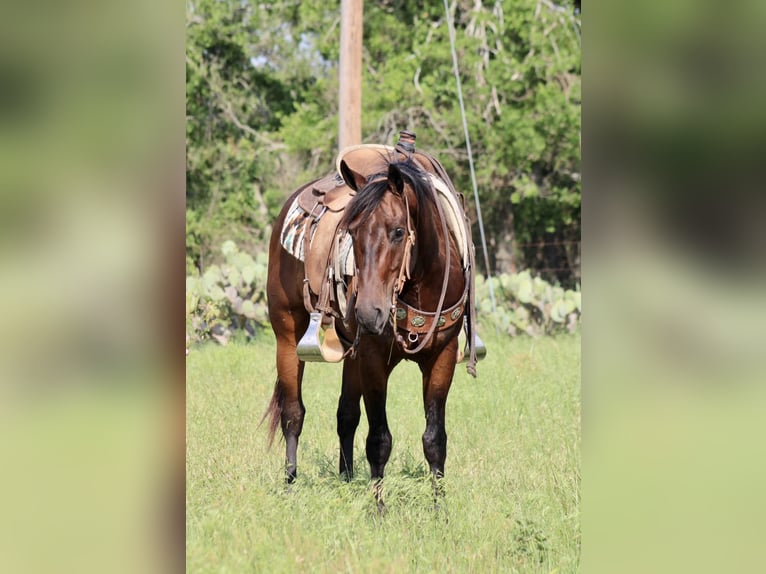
x: 456, y: 69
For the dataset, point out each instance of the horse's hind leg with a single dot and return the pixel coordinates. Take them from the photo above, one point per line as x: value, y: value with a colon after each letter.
x: 286, y: 408
x: 348, y: 419
x: 290, y: 375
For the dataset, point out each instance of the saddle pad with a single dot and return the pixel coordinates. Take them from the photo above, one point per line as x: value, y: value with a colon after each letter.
x: 455, y: 219
x: 293, y: 240
x: 294, y: 229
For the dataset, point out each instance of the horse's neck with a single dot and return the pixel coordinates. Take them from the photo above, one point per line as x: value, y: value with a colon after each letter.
x: 431, y: 260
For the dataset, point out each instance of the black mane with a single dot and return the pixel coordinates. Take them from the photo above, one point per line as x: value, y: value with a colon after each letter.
x: 370, y: 196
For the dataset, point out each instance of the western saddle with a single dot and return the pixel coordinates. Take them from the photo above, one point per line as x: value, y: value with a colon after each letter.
x: 324, y: 202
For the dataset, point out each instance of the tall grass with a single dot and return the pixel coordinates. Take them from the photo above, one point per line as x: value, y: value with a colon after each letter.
x: 512, y: 472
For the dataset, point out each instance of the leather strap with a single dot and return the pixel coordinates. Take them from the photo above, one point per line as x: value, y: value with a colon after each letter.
x: 306, y: 246
x: 413, y: 320
x: 404, y: 269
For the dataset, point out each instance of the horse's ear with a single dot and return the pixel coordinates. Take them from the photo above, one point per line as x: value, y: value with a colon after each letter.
x: 353, y: 179
x: 396, y: 178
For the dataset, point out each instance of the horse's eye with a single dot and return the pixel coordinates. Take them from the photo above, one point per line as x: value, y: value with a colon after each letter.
x: 397, y: 234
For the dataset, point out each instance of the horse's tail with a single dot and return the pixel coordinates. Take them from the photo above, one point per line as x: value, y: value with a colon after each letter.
x: 273, y: 412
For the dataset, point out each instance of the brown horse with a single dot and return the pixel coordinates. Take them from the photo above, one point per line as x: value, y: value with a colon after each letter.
x: 410, y: 291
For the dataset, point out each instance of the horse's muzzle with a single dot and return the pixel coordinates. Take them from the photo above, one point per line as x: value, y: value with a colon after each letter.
x: 372, y: 319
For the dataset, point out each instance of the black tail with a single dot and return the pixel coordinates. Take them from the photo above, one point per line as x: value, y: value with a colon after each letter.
x: 273, y: 413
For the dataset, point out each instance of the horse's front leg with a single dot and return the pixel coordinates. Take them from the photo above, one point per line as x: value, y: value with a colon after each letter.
x: 379, y: 440
x: 348, y: 417
x: 372, y: 367
x: 437, y: 379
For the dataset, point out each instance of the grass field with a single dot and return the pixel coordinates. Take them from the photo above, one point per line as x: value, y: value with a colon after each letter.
x: 512, y: 472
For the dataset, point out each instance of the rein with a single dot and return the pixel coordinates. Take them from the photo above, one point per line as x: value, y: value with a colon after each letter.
x: 404, y: 269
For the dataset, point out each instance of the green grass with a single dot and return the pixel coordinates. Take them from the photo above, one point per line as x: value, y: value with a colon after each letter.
x: 512, y: 472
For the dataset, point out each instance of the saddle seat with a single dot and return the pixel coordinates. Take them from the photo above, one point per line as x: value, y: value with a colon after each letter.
x: 330, y: 192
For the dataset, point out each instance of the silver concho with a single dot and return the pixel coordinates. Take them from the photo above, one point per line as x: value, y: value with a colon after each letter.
x: 456, y: 313
x: 441, y: 321
x: 418, y: 321
x: 401, y: 314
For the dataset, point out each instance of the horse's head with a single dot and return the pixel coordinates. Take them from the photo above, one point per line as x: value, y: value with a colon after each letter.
x: 381, y: 220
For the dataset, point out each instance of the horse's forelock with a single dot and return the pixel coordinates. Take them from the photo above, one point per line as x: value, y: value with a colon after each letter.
x: 417, y: 178
x: 364, y: 202
x: 370, y: 196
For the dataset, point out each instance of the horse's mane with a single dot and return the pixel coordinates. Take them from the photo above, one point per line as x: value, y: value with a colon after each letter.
x: 370, y: 196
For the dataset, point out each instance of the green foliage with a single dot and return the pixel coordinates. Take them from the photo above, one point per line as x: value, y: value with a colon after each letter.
x: 520, y: 72
x: 244, y: 74
x: 262, y: 113
x: 528, y: 305
x: 227, y: 299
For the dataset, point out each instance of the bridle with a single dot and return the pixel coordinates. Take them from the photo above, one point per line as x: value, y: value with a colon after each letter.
x: 404, y: 274
x: 398, y: 305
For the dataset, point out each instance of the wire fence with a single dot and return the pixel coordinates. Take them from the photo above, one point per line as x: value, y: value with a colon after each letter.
x: 556, y: 260
x: 543, y: 243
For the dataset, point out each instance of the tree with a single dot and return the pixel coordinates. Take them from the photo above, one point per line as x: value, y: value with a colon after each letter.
x: 262, y: 102
x: 241, y: 79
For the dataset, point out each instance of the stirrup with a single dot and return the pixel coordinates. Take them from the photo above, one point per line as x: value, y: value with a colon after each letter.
x: 311, y: 348
x: 481, y: 350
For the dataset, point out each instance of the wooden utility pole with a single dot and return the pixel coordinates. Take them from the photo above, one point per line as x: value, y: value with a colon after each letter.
x: 350, y: 80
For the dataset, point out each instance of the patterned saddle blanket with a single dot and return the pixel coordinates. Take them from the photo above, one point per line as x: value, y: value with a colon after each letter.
x: 294, y: 239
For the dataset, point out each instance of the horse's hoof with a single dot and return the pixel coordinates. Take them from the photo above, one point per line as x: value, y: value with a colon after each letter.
x: 440, y: 510
x: 378, y: 491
